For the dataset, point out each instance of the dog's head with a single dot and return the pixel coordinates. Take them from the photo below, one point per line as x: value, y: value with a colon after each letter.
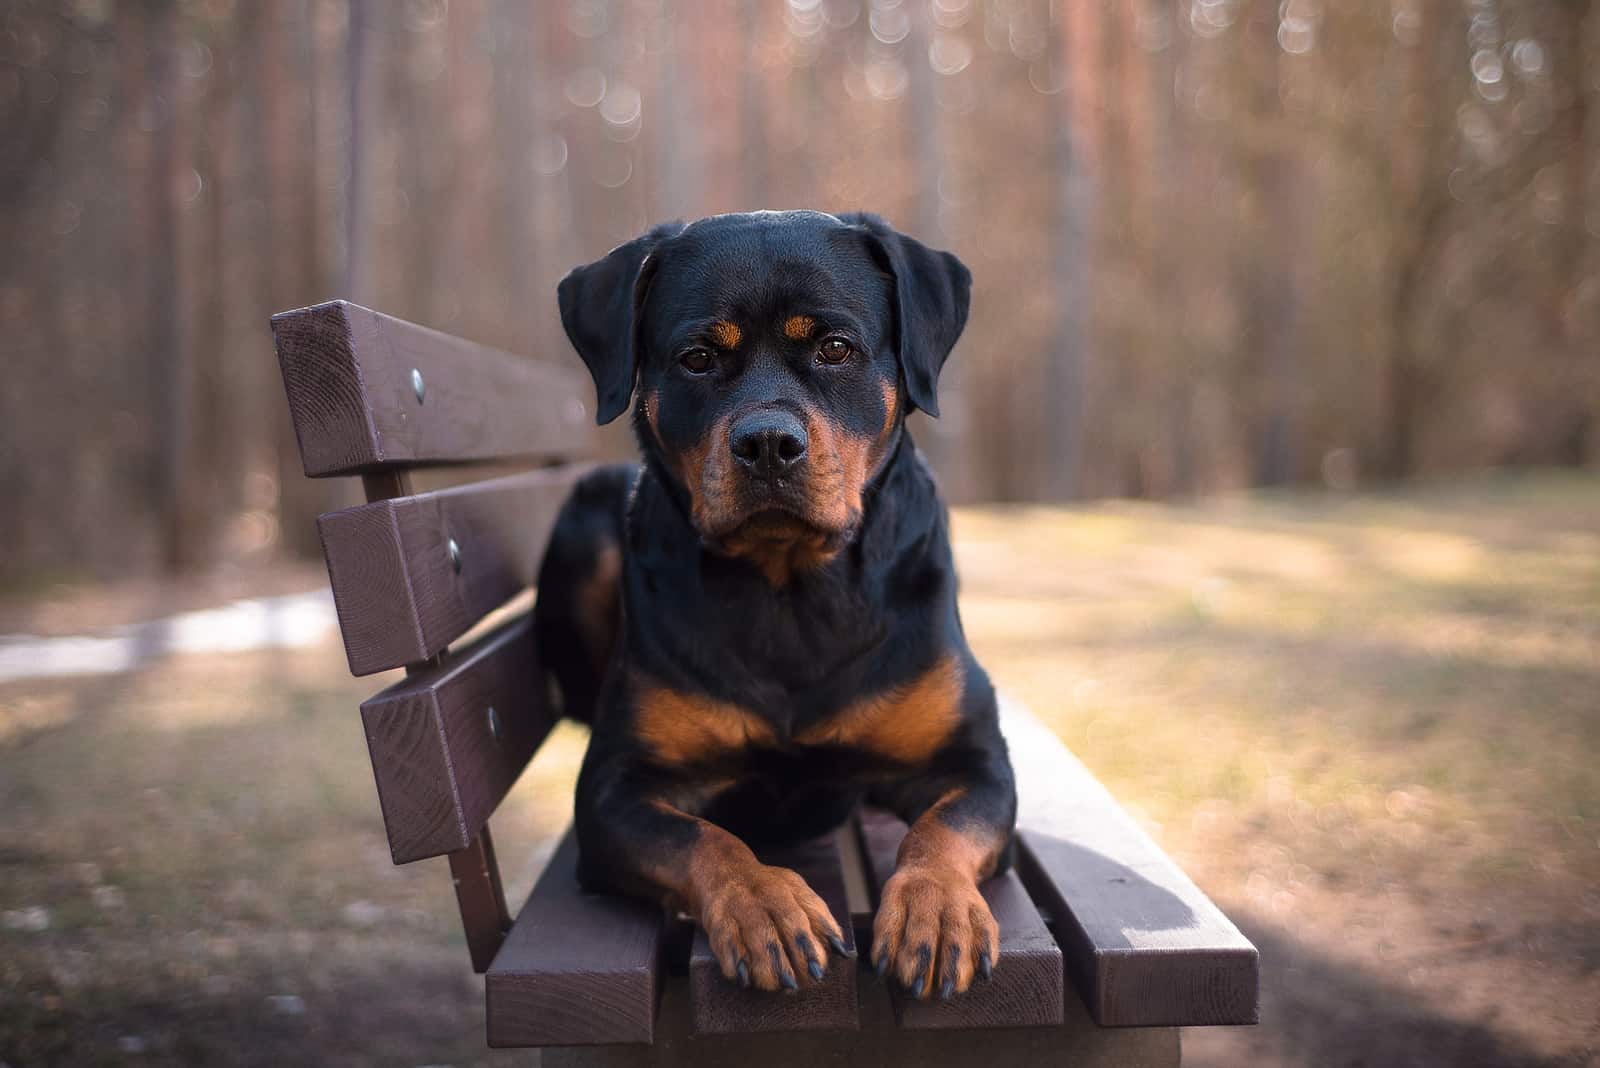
x: 776, y: 355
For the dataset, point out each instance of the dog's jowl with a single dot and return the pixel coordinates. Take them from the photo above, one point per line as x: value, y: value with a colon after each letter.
x: 760, y: 619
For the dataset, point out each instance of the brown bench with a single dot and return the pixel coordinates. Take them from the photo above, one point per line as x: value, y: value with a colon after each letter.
x: 1107, y: 948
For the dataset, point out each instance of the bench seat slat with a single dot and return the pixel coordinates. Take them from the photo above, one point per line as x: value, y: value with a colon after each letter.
x: 1027, y: 987
x: 441, y: 765
x: 1144, y: 945
x: 577, y: 969
x: 348, y: 372
x: 721, y: 1008
x: 397, y: 589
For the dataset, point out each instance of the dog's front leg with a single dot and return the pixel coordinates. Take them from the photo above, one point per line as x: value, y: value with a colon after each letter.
x: 934, y: 932
x: 767, y: 928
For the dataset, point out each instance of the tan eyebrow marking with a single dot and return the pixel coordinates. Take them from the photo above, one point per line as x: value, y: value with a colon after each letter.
x: 726, y: 334
x: 798, y: 327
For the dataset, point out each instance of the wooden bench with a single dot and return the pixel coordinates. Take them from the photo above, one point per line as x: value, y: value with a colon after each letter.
x: 1106, y: 948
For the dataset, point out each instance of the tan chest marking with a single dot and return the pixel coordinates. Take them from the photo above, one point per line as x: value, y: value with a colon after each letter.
x: 680, y: 728
x: 907, y: 724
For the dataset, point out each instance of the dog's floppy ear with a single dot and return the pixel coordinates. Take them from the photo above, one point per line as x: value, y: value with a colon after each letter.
x: 599, y: 306
x: 933, y: 291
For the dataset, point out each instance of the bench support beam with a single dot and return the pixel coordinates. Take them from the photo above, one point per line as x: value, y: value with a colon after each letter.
x: 482, y: 900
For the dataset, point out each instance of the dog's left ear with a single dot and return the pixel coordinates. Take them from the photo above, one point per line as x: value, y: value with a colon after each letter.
x: 599, y: 308
x: 933, y: 291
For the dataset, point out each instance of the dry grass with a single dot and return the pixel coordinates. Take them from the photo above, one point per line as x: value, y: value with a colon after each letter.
x: 1369, y: 726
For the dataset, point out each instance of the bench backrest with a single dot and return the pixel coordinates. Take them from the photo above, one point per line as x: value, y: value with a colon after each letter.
x: 375, y: 397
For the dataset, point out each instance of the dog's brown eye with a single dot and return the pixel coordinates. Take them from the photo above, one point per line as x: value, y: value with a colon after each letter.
x: 696, y: 361
x: 835, y: 350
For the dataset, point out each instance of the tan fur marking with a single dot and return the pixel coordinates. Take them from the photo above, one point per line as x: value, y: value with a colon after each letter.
x: 726, y: 334
x: 907, y: 724
x: 934, y: 931
x: 598, y: 605
x: 707, y: 470
x: 839, y: 465
x: 779, y: 557
x: 931, y: 843
x: 764, y: 923
x: 798, y: 327
x: 716, y: 858
x: 682, y: 728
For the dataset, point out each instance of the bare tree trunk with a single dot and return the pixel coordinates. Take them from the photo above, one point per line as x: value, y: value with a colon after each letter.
x: 1177, y: 403
x: 752, y: 111
x: 1420, y: 206
x: 358, y: 49
x: 1283, y: 184
x: 944, y: 440
x: 679, y: 142
x: 512, y: 136
x: 171, y: 370
x: 1063, y: 371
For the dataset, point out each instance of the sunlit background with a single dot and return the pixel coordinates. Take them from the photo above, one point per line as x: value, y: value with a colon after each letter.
x: 1293, y: 304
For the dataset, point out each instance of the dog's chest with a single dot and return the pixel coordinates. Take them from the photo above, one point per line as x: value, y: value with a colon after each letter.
x: 900, y: 725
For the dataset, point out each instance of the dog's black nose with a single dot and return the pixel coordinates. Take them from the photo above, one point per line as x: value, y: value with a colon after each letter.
x: 769, y: 442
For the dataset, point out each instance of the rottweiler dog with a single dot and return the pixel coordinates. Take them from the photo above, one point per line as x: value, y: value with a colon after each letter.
x: 760, y: 620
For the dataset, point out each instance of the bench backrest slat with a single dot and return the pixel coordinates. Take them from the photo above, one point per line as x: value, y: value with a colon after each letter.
x: 447, y: 743
x: 375, y: 396
x: 403, y: 595
x: 352, y: 376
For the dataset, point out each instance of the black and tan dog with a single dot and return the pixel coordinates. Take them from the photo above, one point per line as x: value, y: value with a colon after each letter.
x: 761, y: 622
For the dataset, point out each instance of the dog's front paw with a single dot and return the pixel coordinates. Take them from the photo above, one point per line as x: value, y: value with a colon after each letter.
x: 934, y: 931
x: 768, y: 929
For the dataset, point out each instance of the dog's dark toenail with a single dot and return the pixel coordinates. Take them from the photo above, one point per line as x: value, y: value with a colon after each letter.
x: 780, y: 968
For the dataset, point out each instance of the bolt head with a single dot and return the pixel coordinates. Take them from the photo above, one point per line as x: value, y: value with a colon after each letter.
x: 455, y: 555
x: 417, y: 385
x: 494, y: 723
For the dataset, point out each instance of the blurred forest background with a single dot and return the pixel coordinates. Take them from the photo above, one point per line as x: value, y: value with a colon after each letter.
x: 1217, y: 243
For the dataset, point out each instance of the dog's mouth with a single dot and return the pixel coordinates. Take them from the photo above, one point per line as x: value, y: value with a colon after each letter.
x: 776, y: 524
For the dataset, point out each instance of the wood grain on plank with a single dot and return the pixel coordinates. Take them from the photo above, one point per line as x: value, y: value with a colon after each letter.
x: 401, y: 596
x: 722, y: 1008
x: 348, y: 372
x: 1026, y: 990
x: 441, y: 762
x: 1144, y: 945
x: 577, y: 969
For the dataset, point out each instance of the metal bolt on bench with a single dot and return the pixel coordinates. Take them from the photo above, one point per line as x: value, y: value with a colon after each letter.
x: 1107, y: 948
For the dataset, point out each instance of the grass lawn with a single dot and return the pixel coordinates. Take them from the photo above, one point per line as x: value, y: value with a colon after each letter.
x: 1368, y: 725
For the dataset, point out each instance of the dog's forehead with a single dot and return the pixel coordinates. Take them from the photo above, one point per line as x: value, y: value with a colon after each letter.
x: 730, y: 259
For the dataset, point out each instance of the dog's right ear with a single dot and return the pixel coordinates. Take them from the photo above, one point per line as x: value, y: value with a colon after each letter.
x: 599, y: 307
